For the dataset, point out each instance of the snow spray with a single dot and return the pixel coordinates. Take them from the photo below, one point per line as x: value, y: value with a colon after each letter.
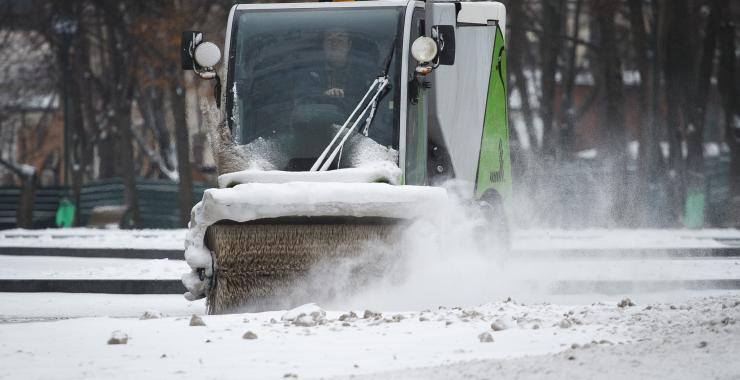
x: 445, y: 259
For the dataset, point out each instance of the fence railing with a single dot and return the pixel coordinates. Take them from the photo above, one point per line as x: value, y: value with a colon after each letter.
x: 578, y: 194
x: 158, y: 202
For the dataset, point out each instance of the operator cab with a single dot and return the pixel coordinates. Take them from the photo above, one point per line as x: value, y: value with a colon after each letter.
x: 331, y: 85
x: 296, y: 76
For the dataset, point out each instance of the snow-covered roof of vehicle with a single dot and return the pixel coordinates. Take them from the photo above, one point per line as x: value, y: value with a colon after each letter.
x: 338, y: 4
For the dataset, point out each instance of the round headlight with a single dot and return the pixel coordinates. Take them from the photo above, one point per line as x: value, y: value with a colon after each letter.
x: 207, y: 54
x: 424, y: 49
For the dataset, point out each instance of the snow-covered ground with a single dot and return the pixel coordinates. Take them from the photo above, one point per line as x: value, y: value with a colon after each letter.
x: 534, y: 239
x: 501, y: 339
x: 601, y: 239
x: 438, y: 307
x: 94, y: 238
x: 43, y: 267
x: 51, y: 267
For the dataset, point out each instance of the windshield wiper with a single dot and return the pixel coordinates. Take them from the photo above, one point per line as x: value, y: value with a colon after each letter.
x: 378, y: 85
x: 323, y: 162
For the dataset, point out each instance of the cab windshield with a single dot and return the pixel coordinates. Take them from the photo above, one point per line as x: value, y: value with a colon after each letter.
x: 297, y: 74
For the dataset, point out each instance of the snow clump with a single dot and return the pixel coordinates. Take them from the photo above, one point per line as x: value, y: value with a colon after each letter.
x: 151, y: 314
x: 625, y: 303
x: 501, y: 324
x: 118, y: 337
x: 196, y: 320
x: 485, y: 337
x: 307, y: 315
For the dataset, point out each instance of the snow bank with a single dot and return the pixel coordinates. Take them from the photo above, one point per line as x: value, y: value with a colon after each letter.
x: 603, y: 239
x: 149, y: 239
x: 70, y: 268
x: 303, y: 199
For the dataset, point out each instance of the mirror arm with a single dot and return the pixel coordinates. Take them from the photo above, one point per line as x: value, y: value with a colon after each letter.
x: 424, y: 69
x: 205, y: 74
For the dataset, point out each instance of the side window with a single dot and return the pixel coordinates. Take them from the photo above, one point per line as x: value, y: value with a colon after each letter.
x: 416, y: 128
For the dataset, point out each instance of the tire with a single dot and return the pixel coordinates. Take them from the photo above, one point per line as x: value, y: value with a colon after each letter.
x: 496, y: 228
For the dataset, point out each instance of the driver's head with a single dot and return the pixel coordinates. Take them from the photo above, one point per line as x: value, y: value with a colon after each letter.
x: 336, y: 46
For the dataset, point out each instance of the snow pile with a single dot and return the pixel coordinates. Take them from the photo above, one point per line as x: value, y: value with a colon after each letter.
x: 307, y: 315
x: 150, y: 239
x: 252, y: 201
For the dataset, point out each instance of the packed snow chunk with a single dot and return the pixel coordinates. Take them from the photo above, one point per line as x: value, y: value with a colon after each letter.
x: 196, y: 320
x: 565, y: 324
x: 307, y: 315
x: 249, y: 335
x: 504, y: 323
x: 625, y: 303
x: 196, y: 287
x: 351, y: 316
x: 151, y: 314
x: 369, y: 314
x: 383, y: 172
x: 485, y: 337
x: 118, y: 337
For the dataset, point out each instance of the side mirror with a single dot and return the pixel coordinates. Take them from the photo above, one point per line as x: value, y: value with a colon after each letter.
x: 198, y: 55
x: 445, y: 37
x: 201, y: 57
x: 189, y: 40
x: 434, y: 51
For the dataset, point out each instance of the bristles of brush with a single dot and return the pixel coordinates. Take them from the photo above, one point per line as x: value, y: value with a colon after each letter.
x: 255, y: 262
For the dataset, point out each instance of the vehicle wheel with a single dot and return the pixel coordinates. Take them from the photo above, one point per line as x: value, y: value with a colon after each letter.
x: 496, y: 229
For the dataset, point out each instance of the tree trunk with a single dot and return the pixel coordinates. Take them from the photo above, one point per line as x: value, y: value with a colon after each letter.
x: 613, y: 134
x: 122, y: 75
x: 649, y: 155
x: 24, y: 216
x: 182, y: 144
x: 519, y: 45
x: 730, y: 103
x: 567, y: 133
x: 677, y: 65
x: 694, y: 214
x: 550, y: 42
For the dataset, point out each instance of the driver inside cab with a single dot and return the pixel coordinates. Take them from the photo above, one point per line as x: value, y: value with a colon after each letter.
x: 331, y: 87
x: 336, y: 74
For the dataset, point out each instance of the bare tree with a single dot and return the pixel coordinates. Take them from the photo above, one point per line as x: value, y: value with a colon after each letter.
x: 550, y: 44
x: 649, y: 155
x: 728, y: 82
x: 613, y: 137
x: 697, y: 115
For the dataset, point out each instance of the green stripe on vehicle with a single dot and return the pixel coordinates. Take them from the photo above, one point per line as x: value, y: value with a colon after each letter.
x: 494, y: 164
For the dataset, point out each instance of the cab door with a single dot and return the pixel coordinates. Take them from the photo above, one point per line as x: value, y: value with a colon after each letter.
x: 416, y: 115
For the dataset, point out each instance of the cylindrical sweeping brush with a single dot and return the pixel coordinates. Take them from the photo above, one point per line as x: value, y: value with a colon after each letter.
x: 256, y: 261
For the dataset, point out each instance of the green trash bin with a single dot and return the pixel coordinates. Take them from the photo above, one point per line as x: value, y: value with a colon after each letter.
x: 65, y: 214
x: 694, y: 208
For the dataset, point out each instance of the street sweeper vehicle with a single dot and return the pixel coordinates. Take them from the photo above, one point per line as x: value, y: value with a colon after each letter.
x: 338, y: 122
